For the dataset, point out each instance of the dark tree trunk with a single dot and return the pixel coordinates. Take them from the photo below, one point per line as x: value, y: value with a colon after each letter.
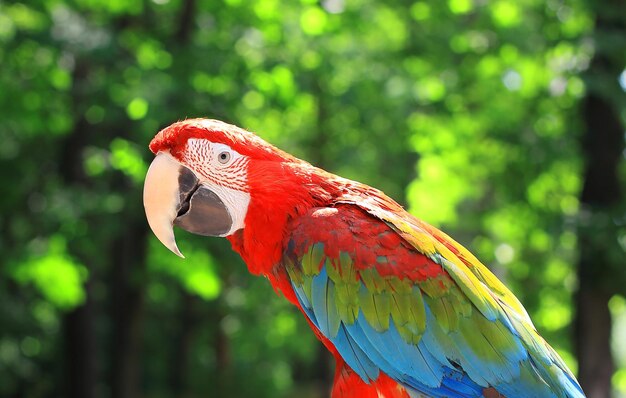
x: 182, y: 345
x: 602, y: 147
x: 223, y: 357
x: 186, y: 21
x: 323, y: 375
x: 593, y: 336
x: 80, y: 350
x: 127, y: 309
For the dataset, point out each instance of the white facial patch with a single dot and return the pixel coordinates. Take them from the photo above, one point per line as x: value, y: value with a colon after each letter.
x: 224, y: 171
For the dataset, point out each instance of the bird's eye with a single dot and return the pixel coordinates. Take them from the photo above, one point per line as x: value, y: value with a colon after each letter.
x: 223, y: 157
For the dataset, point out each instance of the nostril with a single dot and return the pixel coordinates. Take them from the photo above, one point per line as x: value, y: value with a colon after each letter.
x: 187, y: 186
x: 184, y: 204
x: 183, y: 209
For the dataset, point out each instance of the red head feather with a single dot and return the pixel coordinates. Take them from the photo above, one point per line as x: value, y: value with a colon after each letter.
x: 281, y: 186
x: 174, y: 138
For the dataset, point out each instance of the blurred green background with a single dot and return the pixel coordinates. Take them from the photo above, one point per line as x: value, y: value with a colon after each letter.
x: 500, y: 121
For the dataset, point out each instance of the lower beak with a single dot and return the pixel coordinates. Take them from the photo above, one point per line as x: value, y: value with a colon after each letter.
x: 173, y: 195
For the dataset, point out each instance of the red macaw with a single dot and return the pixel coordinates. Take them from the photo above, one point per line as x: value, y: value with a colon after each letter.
x: 405, y: 310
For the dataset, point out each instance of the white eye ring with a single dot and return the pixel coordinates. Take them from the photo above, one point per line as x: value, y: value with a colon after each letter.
x: 224, y: 157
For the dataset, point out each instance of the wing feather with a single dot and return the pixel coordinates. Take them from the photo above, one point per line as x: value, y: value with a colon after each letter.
x: 417, y: 307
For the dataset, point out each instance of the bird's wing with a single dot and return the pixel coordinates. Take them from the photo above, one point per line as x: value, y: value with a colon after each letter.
x: 393, y: 298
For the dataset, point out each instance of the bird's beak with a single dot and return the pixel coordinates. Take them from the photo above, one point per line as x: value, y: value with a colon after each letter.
x: 173, y: 195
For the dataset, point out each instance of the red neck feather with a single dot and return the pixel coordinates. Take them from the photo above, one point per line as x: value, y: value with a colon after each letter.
x: 279, y: 192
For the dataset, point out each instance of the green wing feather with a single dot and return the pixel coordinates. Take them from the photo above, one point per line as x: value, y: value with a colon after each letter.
x: 455, y: 316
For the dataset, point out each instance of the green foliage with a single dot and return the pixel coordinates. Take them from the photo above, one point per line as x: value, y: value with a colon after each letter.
x: 58, y: 278
x: 617, y: 306
x: 466, y: 111
x: 196, y: 273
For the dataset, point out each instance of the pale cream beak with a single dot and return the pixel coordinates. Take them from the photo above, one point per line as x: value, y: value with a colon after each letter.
x: 161, y: 199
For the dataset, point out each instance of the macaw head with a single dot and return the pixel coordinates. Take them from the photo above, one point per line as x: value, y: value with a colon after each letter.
x: 200, y: 178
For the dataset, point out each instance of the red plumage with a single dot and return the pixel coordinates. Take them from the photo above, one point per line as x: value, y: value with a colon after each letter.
x: 283, y: 188
x: 444, y: 297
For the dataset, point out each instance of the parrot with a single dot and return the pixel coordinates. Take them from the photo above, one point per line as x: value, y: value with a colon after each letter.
x: 405, y: 310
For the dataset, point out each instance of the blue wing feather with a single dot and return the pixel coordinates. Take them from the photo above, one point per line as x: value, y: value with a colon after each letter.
x: 442, y: 361
x: 367, y: 351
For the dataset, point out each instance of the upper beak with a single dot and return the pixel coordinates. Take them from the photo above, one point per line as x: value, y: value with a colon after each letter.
x: 173, y: 194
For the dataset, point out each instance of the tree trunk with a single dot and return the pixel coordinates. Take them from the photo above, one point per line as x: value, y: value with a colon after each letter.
x: 80, y: 349
x: 183, y: 343
x: 593, y: 337
x: 127, y: 308
x: 80, y: 353
x: 602, y: 147
x: 223, y: 354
